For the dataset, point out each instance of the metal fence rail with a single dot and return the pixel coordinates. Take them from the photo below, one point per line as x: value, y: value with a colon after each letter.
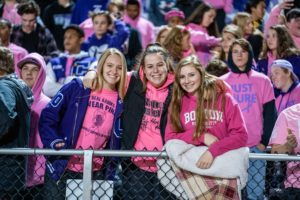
x: 87, y: 179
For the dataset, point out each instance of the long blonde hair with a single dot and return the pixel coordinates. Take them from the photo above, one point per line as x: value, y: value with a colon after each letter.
x: 121, y: 84
x: 209, y: 90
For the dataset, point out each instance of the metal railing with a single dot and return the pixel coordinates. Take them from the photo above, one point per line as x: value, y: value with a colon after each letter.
x: 89, y: 154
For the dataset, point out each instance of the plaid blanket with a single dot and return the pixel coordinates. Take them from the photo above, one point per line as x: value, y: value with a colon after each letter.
x: 199, y: 187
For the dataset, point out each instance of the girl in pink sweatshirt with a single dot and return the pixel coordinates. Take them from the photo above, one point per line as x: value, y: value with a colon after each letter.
x: 203, y: 20
x: 203, y: 112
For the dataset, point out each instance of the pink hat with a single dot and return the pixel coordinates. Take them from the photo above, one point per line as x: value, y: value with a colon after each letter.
x: 174, y: 13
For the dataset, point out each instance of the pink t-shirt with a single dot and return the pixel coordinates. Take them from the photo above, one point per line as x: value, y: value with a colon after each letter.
x: 69, y: 63
x: 149, y: 136
x: 228, y: 125
x: 251, y: 91
x: 288, y: 99
x: 289, y: 118
x: 96, y: 127
x: 10, y: 12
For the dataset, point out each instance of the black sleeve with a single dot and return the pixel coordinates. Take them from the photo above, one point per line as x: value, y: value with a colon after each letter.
x: 269, y: 117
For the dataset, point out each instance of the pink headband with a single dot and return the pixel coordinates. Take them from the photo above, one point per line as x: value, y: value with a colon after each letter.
x: 174, y: 13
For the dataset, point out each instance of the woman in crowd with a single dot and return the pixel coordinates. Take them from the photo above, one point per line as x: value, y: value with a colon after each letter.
x: 254, y: 36
x: 144, y: 120
x: 202, y: 20
x: 80, y: 118
x: 202, y: 112
x: 278, y: 45
x: 230, y: 33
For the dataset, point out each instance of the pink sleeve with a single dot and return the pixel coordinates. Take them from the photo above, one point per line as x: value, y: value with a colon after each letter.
x: 150, y: 36
x: 273, y: 18
x: 228, y: 6
x: 236, y: 135
x: 201, y: 38
x: 268, y: 91
x: 279, y: 133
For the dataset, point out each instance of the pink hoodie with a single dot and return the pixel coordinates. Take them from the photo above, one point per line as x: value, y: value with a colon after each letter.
x: 202, y: 42
x: 226, y: 5
x: 145, y: 27
x: 87, y: 27
x: 18, y: 52
x: 36, y: 164
x: 10, y: 12
x: 228, y: 125
x: 149, y: 136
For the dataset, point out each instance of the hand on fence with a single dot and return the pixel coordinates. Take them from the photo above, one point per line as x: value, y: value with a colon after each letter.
x: 261, y: 147
x: 205, y: 160
x: 291, y: 140
x: 59, y: 145
x: 209, y: 139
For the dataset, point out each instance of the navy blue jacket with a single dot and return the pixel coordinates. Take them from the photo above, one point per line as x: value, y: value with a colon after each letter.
x: 61, y: 121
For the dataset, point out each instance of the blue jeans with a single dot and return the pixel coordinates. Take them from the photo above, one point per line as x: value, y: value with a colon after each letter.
x: 256, y: 177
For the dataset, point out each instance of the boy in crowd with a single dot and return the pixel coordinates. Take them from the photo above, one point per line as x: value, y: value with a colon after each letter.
x: 72, y: 63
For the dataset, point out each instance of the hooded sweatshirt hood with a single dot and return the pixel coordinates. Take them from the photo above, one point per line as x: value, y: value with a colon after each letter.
x: 35, y: 170
x: 234, y: 68
x: 36, y: 59
x: 129, y: 20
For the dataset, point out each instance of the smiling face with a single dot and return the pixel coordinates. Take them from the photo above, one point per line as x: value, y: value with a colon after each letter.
x: 29, y: 73
x: 190, y: 79
x: 280, y: 78
x: 112, y: 71
x: 240, y: 57
x: 155, y: 69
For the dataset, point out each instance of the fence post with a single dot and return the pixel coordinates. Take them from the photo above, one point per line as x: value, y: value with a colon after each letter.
x: 87, y: 174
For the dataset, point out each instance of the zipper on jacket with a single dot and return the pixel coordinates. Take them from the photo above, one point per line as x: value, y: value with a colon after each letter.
x: 76, y: 113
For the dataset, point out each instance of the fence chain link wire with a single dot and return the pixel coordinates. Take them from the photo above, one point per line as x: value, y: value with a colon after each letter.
x: 18, y: 181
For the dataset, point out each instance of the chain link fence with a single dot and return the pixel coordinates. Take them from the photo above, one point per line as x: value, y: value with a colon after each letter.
x: 125, y: 175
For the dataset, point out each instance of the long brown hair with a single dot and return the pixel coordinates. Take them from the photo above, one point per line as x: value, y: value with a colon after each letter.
x: 209, y: 90
x: 285, y: 44
x: 197, y: 17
